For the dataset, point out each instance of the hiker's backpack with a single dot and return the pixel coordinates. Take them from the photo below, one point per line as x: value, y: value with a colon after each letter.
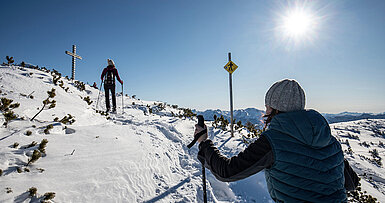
x: 110, y: 80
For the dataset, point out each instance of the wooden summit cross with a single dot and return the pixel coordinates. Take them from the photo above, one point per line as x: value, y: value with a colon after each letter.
x: 74, y: 56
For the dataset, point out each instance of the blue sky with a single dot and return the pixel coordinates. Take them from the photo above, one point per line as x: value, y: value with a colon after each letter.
x: 174, y: 51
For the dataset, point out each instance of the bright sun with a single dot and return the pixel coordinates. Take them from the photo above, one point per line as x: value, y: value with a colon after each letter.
x: 297, y: 25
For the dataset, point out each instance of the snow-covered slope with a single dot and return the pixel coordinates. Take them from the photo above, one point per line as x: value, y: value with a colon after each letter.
x: 136, y: 156
x: 360, y: 141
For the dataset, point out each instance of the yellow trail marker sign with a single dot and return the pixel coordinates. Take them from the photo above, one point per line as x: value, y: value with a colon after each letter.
x: 231, y: 67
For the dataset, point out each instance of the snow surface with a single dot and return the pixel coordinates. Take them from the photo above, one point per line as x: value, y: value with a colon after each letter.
x: 135, y: 155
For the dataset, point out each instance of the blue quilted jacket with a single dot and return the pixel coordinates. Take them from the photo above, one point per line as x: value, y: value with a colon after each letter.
x: 308, y: 160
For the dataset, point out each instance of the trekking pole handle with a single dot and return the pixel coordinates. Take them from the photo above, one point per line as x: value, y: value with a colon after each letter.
x: 201, y: 121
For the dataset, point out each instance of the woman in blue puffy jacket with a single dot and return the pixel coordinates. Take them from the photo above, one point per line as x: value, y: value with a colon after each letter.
x: 303, y: 162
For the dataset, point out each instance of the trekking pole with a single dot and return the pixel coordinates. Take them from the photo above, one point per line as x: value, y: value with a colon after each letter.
x: 122, y: 100
x: 201, y: 121
x: 97, y: 101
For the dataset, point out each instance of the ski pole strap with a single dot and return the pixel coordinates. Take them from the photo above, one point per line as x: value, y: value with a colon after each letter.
x: 196, y: 137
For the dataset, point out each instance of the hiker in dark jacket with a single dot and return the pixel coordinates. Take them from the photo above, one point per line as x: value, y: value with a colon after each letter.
x: 108, y: 76
x: 303, y: 162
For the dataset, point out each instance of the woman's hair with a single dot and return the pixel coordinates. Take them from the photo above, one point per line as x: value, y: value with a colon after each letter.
x: 270, y: 117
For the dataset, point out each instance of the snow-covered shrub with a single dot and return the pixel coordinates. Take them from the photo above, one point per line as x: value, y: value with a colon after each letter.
x: 9, y: 115
x: 49, y: 195
x: 69, y: 119
x: 15, y: 145
x: 103, y: 113
x: 35, y: 156
x: 56, y: 76
x: 1, y: 172
x: 55, y: 79
x: 28, y: 133
x: 375, y: 157
x: 34, y: 143
x: 187, y: 113
x: 9, y: 60
x: 32, y: 191
x: 8, y: 189
x: 19, y: 169
x: 88, y: 100
x: 42, y: 145
x: 364, y: 144
x: 47, y: 128
x: 349, y: 151
x: 51, y: 94
x: 6, y: 104
x: 6, y: 107
x: 80, y: 85
x: 360, y: 196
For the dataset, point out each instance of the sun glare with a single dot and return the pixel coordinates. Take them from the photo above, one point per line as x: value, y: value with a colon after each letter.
x: 297, y: 24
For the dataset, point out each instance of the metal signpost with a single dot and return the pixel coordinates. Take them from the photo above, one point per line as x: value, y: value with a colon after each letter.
x: 74, y: 56
x: 231, y: 67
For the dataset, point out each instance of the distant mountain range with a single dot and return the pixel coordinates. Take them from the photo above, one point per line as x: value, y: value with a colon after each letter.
x: 254, y: 115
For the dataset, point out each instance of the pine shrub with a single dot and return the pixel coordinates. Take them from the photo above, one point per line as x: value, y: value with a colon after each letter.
x: 47, y: 128
x: 42, y: 145
x: 88, y: 100
x: 33, y: 143
x: 80, y: 85
x: 55, y: 79
x: 376, y: 159
x: 15, y: 145
x: 19, y: 170
x: 8, y: 189
x: 15, y: 105
x: 9, y: 60
x: 35, y: 156
x: 49, y: 195
x: 5, y: 104
x: 52, y: 104
x: 22, y: 64
x: 69, y: 119
x: 28, y: 133
x: 32, y: 191
x: 9, y: 115
x: 41, y: 170
x: 1, y: 172
x: 51, y: 94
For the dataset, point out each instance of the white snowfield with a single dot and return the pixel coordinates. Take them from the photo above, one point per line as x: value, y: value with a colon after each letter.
x: 135, y: 155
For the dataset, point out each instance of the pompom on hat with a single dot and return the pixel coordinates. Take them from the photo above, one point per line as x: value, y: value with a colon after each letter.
x: 110, y: 62
x: 286, y: 95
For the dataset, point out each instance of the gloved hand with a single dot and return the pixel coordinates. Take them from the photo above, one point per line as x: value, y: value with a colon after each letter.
x: 199, y: 129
